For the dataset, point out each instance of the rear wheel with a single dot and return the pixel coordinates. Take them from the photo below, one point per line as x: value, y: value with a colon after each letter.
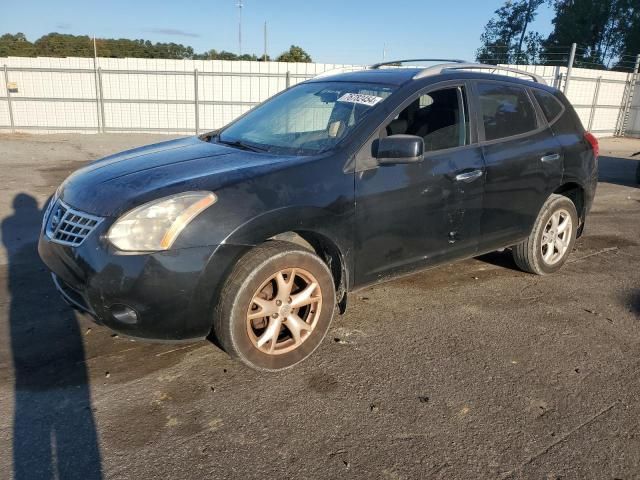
x: 552, y: 238
x: 276, y: 306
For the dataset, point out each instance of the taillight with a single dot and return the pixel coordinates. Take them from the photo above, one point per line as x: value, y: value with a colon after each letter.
x: 593, y: 141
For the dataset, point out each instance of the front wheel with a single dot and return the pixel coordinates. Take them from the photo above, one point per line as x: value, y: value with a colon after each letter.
x: 276, y: 306
x: 552, y: 238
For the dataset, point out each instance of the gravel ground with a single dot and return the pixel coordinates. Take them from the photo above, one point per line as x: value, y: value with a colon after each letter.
x: 472, y: 370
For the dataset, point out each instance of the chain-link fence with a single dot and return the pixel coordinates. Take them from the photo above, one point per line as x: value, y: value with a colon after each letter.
x: 47, y: 95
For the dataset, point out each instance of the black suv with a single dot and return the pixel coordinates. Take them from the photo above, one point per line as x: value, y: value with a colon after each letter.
x: 256, y: 232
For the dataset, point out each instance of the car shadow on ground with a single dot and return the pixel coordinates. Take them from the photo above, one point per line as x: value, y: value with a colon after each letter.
x: 502, y: 258
x: 54, y: 432
x: 619, y: 170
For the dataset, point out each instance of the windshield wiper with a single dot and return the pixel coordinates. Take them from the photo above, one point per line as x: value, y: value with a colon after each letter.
x: 242, y: 145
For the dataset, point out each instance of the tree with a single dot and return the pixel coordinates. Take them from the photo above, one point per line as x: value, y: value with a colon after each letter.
x: 295, y: 54
x: 631, y: 41
x: 16, y: 45
x: 505, y: 34
x: 598, y: 27
x: 64, y: 45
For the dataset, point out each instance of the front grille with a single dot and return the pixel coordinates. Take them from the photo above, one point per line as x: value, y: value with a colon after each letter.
x: 68, y: 226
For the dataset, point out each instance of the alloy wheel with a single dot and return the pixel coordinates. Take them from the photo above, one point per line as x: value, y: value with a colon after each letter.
x: 284, y: 311
x: 556, y: 237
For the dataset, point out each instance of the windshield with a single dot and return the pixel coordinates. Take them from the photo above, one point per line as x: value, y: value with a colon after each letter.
x: 307, y: 119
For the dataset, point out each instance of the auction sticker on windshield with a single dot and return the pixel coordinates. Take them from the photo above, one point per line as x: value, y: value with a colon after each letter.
x: 363, y: 99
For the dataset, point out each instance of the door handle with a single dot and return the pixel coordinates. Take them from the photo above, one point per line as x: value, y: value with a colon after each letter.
x: 552, y: 157
x: 469, y: 176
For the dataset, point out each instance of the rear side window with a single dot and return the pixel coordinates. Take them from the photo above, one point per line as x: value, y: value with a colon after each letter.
x: 506, y: 110
x: 550, y: 105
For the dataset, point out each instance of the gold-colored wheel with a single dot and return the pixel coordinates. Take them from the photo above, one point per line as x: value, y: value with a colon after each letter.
x: 284, y: 311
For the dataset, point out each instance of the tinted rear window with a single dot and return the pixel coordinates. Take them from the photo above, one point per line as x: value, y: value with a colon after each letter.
x: 506, y: 111
x: 551, y: 106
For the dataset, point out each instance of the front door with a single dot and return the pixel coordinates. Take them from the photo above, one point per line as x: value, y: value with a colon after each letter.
x: 413, y: 215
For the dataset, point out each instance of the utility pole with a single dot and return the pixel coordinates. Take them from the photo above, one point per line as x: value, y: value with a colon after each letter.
x: 265, y: 42
x: 239, y: 5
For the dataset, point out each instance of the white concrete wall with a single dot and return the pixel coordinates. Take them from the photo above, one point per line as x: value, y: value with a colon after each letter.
x: 235, y: 94
x: 238, y: 92
x: 633, y: 129
x: 581, y: 94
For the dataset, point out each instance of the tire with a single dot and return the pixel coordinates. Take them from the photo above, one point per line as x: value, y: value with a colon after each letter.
x: 546, y: 249
x: 260, y: 286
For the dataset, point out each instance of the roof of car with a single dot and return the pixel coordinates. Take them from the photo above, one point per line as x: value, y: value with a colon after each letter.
x: 390, y: 76
x: 400, y: 76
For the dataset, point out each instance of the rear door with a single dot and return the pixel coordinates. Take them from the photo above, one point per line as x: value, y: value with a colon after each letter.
x: 553, y: 166
x: 522, y: 160
x: 412, y: 215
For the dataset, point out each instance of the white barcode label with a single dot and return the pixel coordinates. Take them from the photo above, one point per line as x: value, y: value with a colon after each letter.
x: 369, y: 100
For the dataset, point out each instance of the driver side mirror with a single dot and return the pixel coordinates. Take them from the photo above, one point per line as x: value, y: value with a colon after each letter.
x: 397, y: 149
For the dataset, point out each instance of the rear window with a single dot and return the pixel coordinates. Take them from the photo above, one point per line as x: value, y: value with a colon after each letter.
x: 506, y: 110
x: 550, y: 105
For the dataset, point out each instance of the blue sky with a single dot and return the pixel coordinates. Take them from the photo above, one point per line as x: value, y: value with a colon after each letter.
x: 332, y: 31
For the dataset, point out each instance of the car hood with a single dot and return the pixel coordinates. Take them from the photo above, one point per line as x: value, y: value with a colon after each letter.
x: 117, y: 183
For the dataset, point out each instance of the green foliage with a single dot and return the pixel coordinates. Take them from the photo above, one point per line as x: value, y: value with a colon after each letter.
x: 16, y: 45
x: 598, y: 27
x: 505, y: 38
x: 63, y: 45
x: 630, y: 42
x: 295, y: 54
x: 224, y: 55
x: 607, y: 32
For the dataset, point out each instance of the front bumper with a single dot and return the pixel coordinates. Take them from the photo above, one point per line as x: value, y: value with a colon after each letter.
x: 171, y: 292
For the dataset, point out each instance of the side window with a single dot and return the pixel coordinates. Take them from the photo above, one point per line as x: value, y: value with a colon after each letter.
x: 440, y: 117
x: 506, y: 110
x: 550, y: 105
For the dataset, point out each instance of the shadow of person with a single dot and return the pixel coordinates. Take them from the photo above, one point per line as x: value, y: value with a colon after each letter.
x: 619, y: 170
x: 54, y: 433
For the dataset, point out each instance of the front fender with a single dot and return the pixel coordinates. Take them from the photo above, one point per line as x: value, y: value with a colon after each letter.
x: 292, y: 219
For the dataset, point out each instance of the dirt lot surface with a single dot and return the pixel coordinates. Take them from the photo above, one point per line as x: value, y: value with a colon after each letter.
x: 473, y: 370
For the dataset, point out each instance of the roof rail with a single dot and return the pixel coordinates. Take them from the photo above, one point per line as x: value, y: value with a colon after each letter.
x: 438, y: 69
x: 396, y: 62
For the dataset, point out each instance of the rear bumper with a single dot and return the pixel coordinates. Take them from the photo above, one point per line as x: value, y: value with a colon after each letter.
x: 171, y: 293
x: 589, y: 196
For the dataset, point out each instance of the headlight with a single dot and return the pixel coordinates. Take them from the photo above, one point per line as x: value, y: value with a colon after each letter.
x: 156, y: 225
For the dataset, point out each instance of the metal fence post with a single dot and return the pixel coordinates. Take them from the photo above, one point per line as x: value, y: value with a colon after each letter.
x: 95, y: 75
x: 628, y: 100
x: 288, y: 79
x: 594, y: 104
x: 195, y: 98
x: 572, y: 57
x: 101, y: 99
x: 557, y: 81
x: 6, y: 86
